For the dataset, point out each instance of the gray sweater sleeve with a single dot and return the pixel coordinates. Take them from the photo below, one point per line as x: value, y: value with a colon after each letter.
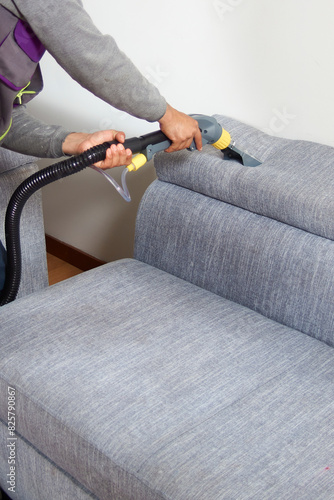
x: 33, y: 137
x: 89, y: 57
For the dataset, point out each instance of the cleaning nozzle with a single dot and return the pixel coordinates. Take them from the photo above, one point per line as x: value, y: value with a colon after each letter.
x: 214, y: 134
x: 232, y: 152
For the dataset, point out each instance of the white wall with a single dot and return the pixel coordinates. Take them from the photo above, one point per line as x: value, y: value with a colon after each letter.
x: 268, y: 63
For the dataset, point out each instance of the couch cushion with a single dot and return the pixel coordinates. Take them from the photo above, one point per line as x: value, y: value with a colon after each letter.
x: 32, y: 480
x: 294, y: 184
x: 141, y: 385
x: 10, y: 160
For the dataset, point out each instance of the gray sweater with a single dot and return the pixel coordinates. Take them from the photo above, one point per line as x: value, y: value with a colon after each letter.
x: 69, y: 35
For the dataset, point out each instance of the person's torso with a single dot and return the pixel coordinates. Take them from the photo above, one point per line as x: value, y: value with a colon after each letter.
x: 20, y: 75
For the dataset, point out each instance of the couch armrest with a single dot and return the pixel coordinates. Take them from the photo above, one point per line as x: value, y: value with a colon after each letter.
x: 14, y: 168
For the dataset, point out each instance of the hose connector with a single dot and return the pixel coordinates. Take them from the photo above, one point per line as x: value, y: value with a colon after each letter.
x: 137, y: 162
x: 224, y: 141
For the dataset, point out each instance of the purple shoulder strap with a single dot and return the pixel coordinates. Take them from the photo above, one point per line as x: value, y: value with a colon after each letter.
x: 28, y: 41
x: 20, y: 76
x: 17, y: 66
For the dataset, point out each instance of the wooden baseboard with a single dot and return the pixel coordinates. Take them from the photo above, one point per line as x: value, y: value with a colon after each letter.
x: 70, y: 254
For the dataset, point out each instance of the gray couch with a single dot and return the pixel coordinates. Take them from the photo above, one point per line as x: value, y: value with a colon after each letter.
x: 201, y: 369
x: 14, y: 168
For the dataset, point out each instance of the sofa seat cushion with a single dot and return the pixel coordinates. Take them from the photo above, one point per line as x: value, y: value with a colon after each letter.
x: 143, y: 386
x: 294, y: 184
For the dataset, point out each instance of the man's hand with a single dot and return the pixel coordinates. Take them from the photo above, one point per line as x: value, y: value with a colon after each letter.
x: 116, y: 156
x: 181, y: 129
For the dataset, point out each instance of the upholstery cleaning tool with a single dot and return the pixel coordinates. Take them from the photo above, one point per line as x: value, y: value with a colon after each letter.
x: 146, y: 146
x: 233, y: 152
x: 154, y: 142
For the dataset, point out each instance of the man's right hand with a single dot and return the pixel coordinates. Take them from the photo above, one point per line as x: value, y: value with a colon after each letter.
x: 181, y: 129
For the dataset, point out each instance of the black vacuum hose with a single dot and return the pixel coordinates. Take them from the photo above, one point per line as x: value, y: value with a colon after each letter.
x: 212, y: 133
x: 36, y: 181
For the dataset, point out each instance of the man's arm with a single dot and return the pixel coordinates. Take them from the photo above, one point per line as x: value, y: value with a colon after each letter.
x: 30, y: 136
x: 90, y: 57
x: 95, y: 62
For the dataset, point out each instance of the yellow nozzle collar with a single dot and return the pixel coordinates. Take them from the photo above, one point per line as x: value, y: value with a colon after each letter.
x: 137, y: 162
x: 224, y: 141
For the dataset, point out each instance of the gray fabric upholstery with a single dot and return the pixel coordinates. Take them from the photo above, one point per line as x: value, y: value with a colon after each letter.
x: 34, y: 473
x: 186, y: 373
x: 14, y: 169
x: 294, y: 184
x: 282, y: 272
x: 10, y: 160
x: 141, y: 385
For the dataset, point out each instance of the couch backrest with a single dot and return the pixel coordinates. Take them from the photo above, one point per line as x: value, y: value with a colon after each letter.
x: 262, y: 237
